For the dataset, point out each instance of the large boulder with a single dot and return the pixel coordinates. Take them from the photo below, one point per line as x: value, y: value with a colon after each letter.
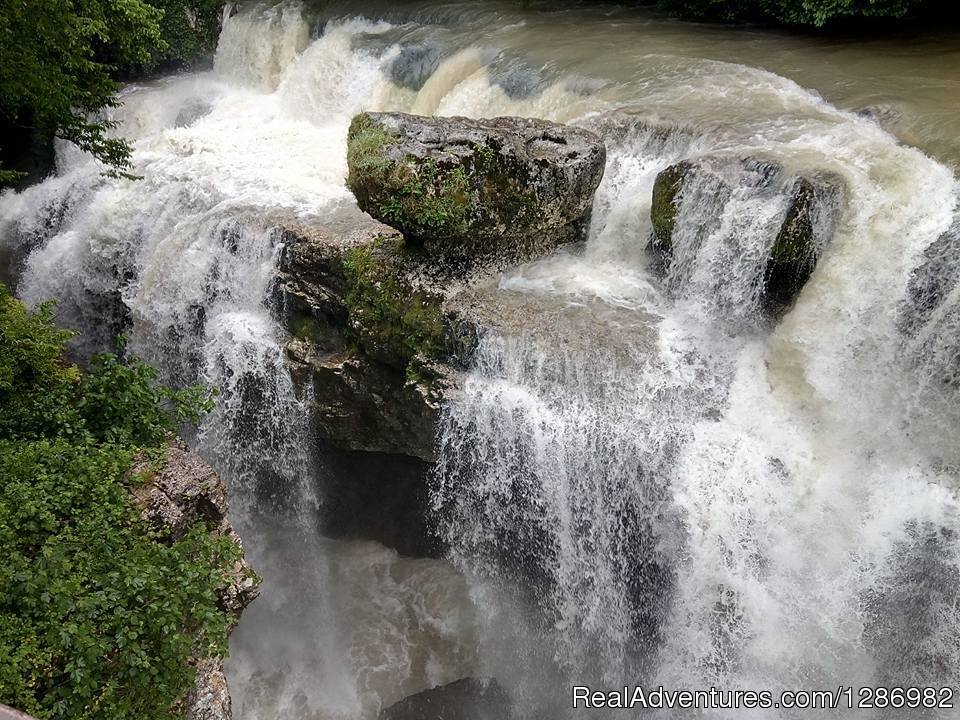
x: 508, y: 188
x: 809, y: 207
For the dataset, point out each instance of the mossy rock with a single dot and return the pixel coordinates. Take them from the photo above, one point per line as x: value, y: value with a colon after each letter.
x: 794, y: 254
x: 812, y: 205
x: 475, y: 188
x: 391, y: 320
x: 664, y: 206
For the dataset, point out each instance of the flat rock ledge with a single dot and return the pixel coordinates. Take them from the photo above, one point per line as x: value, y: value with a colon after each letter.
x: 185, y: 490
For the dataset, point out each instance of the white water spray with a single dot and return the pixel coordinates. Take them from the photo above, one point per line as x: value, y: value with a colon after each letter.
x: 652, y: 485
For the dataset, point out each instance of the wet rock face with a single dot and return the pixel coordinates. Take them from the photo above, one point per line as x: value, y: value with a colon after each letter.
x: 932, y: 281
x: 696, y: 193
x: 210, y: 697
x: 508, y: 188
x: 370, y: 342
x: 664, y: 205
x: 361, y: 404
x: 466, y: 699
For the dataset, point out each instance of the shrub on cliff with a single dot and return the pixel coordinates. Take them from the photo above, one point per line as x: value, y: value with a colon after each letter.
x: 98, y: 618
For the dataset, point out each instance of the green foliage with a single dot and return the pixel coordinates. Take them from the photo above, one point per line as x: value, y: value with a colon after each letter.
x: 427, y: 199
x: 59, y: 61
x: 799, y: 12
x: 390, y: 318
x: 121, y: 402
x: 98, y: 618
x: 189, y: 30
x: 114, y: 402
x: 363, y: 148
x: 304, y: 327
x: 52, y: 78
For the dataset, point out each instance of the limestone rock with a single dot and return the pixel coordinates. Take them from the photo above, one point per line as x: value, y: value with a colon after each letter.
x: 174, y: 493
x: 505, y: 187
x: 210, y: 697
x: 371, y: 339
x: 183, y: 490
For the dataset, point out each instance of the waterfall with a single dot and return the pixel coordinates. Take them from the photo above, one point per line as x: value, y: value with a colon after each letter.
x: 646, y: 480
x: 182, y: 262
x: 712, y: 501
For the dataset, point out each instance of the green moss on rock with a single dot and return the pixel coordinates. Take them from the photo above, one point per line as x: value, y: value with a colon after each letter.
x: 308, y: 328
x: 793, y: 256
x: 664, y: 206
x: 392, y: 321
x: 473, y: 188
x: 426, y: 199
x: 363, y: 148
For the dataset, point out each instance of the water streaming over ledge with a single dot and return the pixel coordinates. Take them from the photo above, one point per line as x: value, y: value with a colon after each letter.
x: 660, y: 486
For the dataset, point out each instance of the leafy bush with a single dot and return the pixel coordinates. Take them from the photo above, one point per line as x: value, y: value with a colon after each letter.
x: 59, y: 62
x: 802, y: 12
x: 114, y: 402
x: 98, y: 617
x: 188, y: 33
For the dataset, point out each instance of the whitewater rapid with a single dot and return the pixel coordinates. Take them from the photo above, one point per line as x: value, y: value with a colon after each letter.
x: 662, y: 486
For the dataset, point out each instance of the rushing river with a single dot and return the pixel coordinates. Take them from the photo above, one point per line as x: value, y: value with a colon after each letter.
x: 658, y: 487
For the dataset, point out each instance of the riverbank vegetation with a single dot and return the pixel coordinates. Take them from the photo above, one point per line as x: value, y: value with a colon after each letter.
x: 61, y: 64
x: 99, y: 616
x: 815, y: 13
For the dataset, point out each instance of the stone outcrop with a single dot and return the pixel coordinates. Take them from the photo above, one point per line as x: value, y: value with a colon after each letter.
x: 507, y: 188
x: 812, y: 203
x: 467, y: 699
x: 383, y: 316
x: 183, y: 490
x: 371, y: 338
x: 932, y: 281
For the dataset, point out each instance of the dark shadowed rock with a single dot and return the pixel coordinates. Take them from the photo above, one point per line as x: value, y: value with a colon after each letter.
x: 663, y: 205
x: 466, y: 699
x: 415, y: 64
x: 509, y: 188
x: 932, y: 281
x: 378, y: 496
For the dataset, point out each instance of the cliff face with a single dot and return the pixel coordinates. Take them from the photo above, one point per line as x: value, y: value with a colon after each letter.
x: 383, y: 316
x: 185, y: 490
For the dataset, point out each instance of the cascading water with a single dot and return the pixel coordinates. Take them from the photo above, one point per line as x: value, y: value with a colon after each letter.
x: 646, y: 481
